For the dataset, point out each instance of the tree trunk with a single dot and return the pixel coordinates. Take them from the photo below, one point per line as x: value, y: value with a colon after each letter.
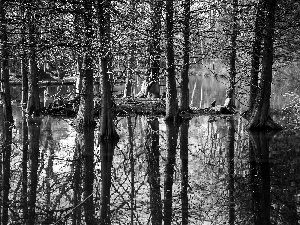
x: 171, y: 96
x: 107, y: 152
x: 256, y: 54
x: 231, y: 91
x: 7, y: 117
x: 260, y: 118
x: 33, y: 105
x: 34, y: 126
x: 107, y: 126
x: 87, y: 149
x: 76, y: 216
x: 184, y: 87
x: 261, y: 201
x: 24, y: 169
x: 153, y: 153
x: 172, y: 135
x: 154, y: 47
x: 130, y: 68
x: 230, y: 160
x: 184, y: 139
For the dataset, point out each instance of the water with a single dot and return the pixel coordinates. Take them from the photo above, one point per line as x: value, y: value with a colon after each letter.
x: 208, y: 171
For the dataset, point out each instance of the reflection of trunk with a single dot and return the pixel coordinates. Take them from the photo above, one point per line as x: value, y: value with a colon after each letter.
x: 171, y: 97
x: 152, y: 146
x: 107, y: 126
x: 7, y: 136
x: 184, y: 128
x: 260, y: 118
x: 49, y: 169
x: 33, y: 105
x: 24, y: 167
x: 256, y: 53
x: 34, y: 137
x: 131, y: 156
x: 172, y: 134
x: 87, y: 149
x: 76, y: 216
x: 184, y: 89
x: 230, y: 157
x: 107, y: 152
x: 261, y: 187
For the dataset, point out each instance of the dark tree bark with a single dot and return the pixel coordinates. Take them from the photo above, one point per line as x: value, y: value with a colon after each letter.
x: 107, y: 151
x: 153, y: 153
x: 230, y: 159
x: 132, y: 169
x: 261, y: 202
x: 77, y: 180
x: 256, y: 54
x: 184, y: 87
x: 33, y: 105
x: 231, y: 91
x: 86, y: 107
x: 154, y: 47
x: 172, y: 135
x: 184, y: 139
x: 87, y: 148
x: 130, y: 69
x: 107, y: 126
x: 171, y: 95
x: 34, y: 125
x: 260, y: 118
x: 24, y: 169
x: 7, y: 117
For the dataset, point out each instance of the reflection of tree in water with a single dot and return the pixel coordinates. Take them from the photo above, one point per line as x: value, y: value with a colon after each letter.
x: 153, y: 153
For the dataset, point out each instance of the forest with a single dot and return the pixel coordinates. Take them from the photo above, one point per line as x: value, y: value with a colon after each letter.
x: 144, y: 72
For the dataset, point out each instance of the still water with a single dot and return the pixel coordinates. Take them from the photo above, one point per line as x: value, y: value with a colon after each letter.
x: 209, y: 170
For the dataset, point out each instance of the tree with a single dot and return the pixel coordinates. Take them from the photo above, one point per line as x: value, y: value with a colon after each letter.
x: 8, y: 119
x: 256, y: 54
x: 232, y: 72
x: 107, y: 126
x: 260, y: 117
x: 153, y: 153
x: 171, y: 95
x: 33, y: 105
x: 184, y: 86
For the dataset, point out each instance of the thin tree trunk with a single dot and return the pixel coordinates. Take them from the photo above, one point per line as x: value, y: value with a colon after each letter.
x: 172, y: 135
x: 153, y: 153
x: 184, y: 128
x: 171, y: 97
x: 34, y: 132
x: 88, y: 174
x: 132, y: 170
x: 184, y: 89
x: 7, y: 117
x: 107, y: 152
x: 256, y: 54
x: 260, y: 118
x: 130, y: 69
x: 24, y: 169
x: 231, y: 91
x: 76, y: 216
x: 154, y: 47
x: 230, y: 160
x: 107, y: 126
x: 33, y: 105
